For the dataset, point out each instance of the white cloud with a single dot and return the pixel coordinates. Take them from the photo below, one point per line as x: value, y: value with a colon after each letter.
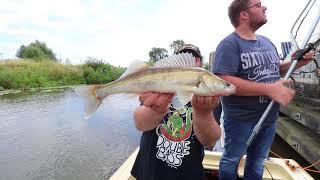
x: 122, y: 31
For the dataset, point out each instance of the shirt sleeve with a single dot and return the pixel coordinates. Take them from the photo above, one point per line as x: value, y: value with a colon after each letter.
x: 227, y: 59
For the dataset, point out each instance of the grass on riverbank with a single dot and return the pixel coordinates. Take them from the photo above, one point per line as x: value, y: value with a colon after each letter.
x: 26, y: 74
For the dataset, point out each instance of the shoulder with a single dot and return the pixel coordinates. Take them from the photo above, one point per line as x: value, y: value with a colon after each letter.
x: 230, y: 41
x: 263, y: 38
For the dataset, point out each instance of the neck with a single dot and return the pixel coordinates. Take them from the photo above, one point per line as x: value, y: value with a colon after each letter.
x: 246, y: 32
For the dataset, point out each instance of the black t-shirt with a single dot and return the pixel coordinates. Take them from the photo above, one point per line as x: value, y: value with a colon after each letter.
x: 171, y: 151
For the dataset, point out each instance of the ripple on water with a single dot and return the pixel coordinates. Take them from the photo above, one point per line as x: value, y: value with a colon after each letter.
x: 44, y: 136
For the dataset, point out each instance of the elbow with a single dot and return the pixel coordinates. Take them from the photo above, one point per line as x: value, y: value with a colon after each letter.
x: 218, y: 135
x: 140, y: 123
x: 137, y: 122
x: 141, y: 127
x: 214, y: 138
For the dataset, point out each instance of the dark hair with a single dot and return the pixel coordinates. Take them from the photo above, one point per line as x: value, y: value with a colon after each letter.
x: 234, y: 10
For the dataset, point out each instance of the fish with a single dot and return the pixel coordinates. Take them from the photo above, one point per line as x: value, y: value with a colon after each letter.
x: 175, y: 74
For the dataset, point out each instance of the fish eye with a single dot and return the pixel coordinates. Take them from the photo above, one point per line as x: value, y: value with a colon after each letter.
x: 228, y: 84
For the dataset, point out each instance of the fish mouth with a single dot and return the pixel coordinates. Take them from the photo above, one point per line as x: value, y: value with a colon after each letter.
x: 231, y: 89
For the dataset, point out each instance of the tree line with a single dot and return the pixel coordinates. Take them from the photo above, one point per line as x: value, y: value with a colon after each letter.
x: 39, y: 51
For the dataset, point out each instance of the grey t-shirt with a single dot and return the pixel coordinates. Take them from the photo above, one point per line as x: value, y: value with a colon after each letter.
x: 253, y: 60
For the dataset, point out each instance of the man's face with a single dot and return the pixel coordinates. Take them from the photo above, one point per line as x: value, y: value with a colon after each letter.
x: 198, y: 62
x: 257, y: 14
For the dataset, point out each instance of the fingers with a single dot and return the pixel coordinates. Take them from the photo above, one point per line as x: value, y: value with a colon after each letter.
x: 205, y: 102
x: 206, y: 99
x: 306, y: 57
x: 309, y: 57
x: 282, y: 93
x: 286, y: 99
x: 163, y: 100
x: 145, y: 96
x: 150, y: 99
x: 286, y: 81
x: 156, y: 101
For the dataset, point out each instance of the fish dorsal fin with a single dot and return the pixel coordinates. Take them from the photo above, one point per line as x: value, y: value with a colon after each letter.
x: 181, y: 99
x: 177, y: 60
x: 135, y: 66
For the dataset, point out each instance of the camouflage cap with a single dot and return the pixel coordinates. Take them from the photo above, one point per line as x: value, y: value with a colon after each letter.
x: 190, y: 48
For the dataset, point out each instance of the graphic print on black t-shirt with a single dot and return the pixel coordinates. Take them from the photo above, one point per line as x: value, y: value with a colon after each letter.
x: 173, y: 135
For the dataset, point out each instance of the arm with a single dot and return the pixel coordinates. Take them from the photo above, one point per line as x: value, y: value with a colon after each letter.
x: 205, y: 126
x: 308, y: 57
x: 153, y: 109
x: 277, y: 91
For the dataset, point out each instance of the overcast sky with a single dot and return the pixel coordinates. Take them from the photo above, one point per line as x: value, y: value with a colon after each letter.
x: 120, y: 31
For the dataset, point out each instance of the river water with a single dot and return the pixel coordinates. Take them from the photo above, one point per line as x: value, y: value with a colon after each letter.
x: 44, y: 135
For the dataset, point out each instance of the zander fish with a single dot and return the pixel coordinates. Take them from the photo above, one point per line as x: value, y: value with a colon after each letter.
x: 174, y: 74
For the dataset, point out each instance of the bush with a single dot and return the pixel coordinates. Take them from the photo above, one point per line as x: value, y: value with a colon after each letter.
x: 103, y: 73
x: 95, y: 71
x: 26, y: 74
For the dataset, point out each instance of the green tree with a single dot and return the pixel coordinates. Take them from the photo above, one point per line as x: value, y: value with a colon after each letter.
x: 175, y: 45
x: 94, y: 63
x: 156, y: 54
x: 36, y: 50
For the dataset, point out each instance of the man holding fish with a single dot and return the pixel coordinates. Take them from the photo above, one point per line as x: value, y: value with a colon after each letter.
x: 174, y: 135
x: 177, y: 98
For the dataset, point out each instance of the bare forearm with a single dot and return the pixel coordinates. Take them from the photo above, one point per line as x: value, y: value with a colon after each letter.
x: 248, y: 88
x: 205, y: 128
x: 147, y: 119
x: 284, y: 68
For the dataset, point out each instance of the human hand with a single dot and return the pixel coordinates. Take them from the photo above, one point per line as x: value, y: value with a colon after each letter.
x: 280, y: 93
x: 309, y: 56
x: 205, y: 103
x: 158, y: 102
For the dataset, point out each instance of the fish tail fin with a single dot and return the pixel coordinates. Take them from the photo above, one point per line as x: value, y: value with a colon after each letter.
x: 92, y: 101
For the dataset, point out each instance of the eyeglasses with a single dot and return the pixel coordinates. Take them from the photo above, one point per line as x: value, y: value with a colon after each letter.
x: 258, y: 5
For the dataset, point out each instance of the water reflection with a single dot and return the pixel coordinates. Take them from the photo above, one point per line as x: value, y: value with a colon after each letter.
x: 44, y: 136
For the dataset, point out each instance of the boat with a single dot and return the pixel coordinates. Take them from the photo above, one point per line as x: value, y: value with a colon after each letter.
x: 274, y: 168
x: 299, y: 124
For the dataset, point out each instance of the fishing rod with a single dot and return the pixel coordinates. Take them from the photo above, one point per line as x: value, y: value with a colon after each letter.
x: 299, y: 55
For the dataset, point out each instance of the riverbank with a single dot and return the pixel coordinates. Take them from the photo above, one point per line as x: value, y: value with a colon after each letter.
x: 18, y: 75
x: 15, y: 91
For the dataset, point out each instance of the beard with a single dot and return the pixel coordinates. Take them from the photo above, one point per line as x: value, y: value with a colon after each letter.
x: 255, y: 25
x: 257, y: 22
